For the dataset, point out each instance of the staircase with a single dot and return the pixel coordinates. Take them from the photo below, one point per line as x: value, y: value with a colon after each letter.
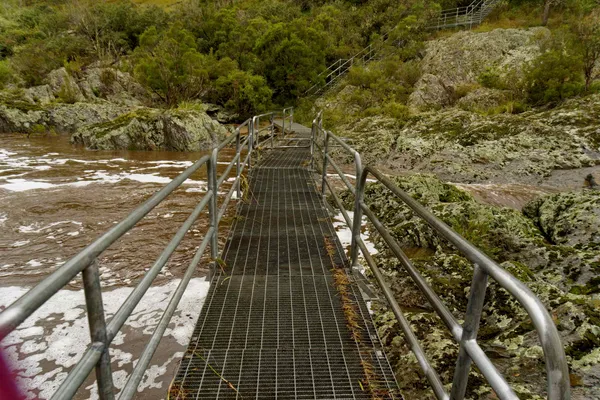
x: 467, y: 16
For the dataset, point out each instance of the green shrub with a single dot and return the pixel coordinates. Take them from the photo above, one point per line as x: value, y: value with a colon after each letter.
x: 490, y: 78
x: 396, y: 110
x: 243, y: 93
x: 464, y: 89
x: 108, y: 77
x: 170, y: 66
x: 553, y: 76
x: 6, y: 74
x: 362, y: 77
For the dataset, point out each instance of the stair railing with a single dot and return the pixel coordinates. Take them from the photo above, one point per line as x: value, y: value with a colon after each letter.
x: 557, y: 372
x: 103, y: 332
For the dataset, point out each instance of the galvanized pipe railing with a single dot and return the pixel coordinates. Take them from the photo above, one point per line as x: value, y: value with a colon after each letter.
x: 558, y: 385
x: 102, y: 332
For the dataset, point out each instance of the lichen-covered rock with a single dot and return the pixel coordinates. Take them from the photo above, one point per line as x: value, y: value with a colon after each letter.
x: 463, y: 146
x: 40, y: 94
x: 64, y: 85
x: 482, y: 100
x: 113, y: 85
x: 571, y: 219
x: 23, y: 117
x: 460, y: 59
x: 431, y: 92
x: 564, y: 277
x: 151, y: 129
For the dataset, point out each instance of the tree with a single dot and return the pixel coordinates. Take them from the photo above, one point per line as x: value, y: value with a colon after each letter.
x: 114, y: 28
x: 243, y: 93
x: 587, y: 31
x: 169, y: 64
x: 293, y: 56
x: 553, y: 76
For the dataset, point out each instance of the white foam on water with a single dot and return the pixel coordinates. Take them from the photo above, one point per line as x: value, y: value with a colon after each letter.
x: 344, y: 234
x: 3, y: 218
x: 57, y: 334
x: 36, y: 228
x: 21, y: 185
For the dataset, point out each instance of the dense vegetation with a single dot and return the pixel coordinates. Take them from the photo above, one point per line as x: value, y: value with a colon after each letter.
x: 240, y: 55
x: 245, y: 54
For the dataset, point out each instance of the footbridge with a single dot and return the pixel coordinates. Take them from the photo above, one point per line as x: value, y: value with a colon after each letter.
x: 287, y: 314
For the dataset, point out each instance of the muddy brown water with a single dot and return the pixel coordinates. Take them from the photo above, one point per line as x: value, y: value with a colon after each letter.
x: 55, y: 198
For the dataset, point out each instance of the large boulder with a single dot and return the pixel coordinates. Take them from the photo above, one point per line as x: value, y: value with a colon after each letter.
x: 461, y: 58
x: 152, y: 129
x: 113, y: 85
x: 19, y: 115
x: 64, y: 86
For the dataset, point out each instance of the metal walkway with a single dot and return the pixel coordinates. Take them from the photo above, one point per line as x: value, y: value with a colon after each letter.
x: 282, y: 318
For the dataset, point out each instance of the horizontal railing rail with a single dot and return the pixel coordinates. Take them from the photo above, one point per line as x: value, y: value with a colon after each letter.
x: 470, y: 15
x: 103, y: 332
x: 558, y: 385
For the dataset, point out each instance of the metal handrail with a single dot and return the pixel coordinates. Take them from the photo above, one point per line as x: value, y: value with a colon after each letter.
x: 334, y: 71
x: 102, y: 332
x: 470, y: 15
x: 484, y: 267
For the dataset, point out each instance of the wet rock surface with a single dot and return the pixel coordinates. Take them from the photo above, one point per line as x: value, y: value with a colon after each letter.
x: 562, y: 275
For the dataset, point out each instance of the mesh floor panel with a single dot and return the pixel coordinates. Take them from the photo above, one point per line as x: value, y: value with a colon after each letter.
x: 273, y: 325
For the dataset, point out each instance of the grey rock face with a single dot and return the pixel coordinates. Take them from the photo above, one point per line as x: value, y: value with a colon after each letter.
x: 64, y: 85
x: 461, y: 58
x: 151, y: 129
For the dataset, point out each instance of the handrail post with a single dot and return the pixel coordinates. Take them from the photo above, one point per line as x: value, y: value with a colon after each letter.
x: 283, y: 123
x: 250, y: 141
x: 291, y: 117
x: 358, y: 199
x: 97, y: 323
x: 325, y: 149
x: 470, y: 328
x: 213, y: 211
x: 238, y: 152
x: 312, y: 144
x: 272, y: 120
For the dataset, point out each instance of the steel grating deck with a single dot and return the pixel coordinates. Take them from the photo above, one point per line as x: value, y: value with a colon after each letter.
x: 273, y: 325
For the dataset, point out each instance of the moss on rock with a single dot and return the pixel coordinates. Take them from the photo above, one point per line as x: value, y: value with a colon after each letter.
x: 506, y: 333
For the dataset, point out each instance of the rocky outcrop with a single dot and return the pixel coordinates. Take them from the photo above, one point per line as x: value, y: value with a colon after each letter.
x: 468, y: 147
x: 24, y: 117
x: 571, y: 219
x: 152, y: 129
x: 563, y: 276
x: 93, y: 85
x: 461, y: 58
x: 483, y: 100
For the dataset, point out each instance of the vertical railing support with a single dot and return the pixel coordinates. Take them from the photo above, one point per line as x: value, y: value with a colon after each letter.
x: 272, y: 121
x: 213, y: 211
x: 95, y: 313
x: 250, y: 141
x: 238, y: 153
x: 359, y: 196
x: 324, y: 179
x: 283, y: 124
x: 470, y: 328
